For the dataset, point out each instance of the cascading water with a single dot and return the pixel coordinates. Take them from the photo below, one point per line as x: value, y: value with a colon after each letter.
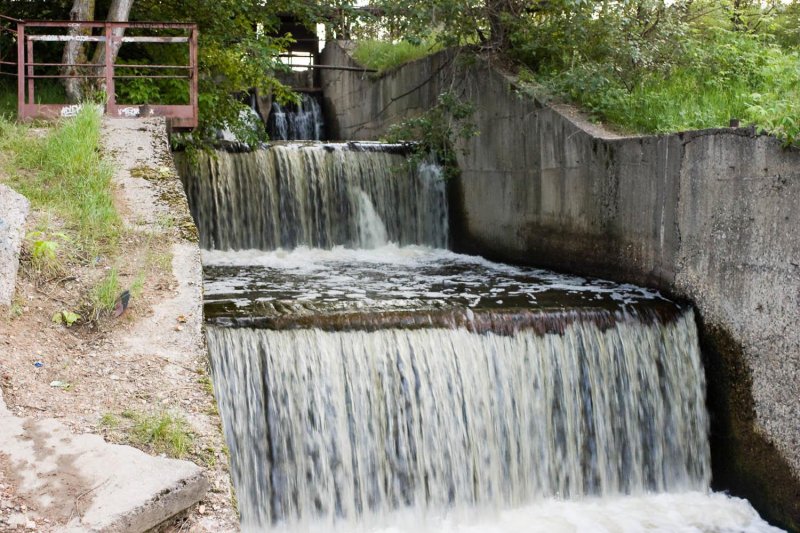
x: 371, y: 380
x: 301, y: 121
x: 315, y: 195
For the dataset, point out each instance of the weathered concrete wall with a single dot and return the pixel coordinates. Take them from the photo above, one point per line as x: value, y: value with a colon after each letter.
x: 709, y: 215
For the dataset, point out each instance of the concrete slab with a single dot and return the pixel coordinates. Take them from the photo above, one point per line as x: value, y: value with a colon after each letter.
x: 88, y: 484
x: 13, y: 212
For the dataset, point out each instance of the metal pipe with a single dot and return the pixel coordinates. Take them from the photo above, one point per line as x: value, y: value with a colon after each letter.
x: 333, y: 67
x: 132, y: 76
x: 95, y: 65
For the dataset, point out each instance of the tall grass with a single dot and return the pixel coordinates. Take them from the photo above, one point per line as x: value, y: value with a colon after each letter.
x: 385, y: 55
x: 64, y: 172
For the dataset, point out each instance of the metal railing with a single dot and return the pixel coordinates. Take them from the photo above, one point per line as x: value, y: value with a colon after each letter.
x: 181, y: 116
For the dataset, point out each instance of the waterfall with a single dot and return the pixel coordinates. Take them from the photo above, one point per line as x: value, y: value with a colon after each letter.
x: 336, y: 424
x: 371, y: 380
x: 314, y: 195
x: 301, y: 121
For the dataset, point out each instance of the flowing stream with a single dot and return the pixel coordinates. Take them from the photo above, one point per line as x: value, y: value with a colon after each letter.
x: 371, y: 380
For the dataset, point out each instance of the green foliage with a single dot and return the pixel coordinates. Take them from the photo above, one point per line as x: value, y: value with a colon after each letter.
x: 68, y: 318
x: 385, y: 55
x: 63, y: 172
x: 238, y: 51
x: 450, y: 22
x: 44, y: 249
x: 643, y: 65
x: 436, y: 132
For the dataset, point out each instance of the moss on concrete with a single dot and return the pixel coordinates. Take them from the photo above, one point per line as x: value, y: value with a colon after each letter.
x: 743, y: 461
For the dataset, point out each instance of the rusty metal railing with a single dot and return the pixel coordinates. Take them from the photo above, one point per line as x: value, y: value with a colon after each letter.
x: 181, y: 116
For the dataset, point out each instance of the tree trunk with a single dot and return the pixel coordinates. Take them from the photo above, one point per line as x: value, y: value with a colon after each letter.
x: 119, y: 11
x: 74, y: 51
x: 496, y: 13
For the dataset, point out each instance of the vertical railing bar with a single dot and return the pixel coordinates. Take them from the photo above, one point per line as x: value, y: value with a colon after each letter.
x: 20, y: 71
x: 31, y: 81
x: 111, y: 100
x: 193, y: 84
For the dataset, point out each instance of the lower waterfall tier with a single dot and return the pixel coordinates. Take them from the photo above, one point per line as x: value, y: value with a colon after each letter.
x: 335, y: 425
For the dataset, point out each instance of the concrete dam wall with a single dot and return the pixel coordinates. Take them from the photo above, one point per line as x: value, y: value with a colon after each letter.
x: 710, y: 216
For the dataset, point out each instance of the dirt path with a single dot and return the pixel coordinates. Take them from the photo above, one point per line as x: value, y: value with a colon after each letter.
x: 151, y: 362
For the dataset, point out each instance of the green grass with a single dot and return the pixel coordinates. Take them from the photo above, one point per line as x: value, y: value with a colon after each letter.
x: 385, y: 55
x: 109, y: 420
x: 104, y: 294
x: 63, y: 172
x: 164, y: 433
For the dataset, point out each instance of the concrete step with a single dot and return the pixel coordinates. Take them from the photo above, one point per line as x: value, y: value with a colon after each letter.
x: 82, y: 483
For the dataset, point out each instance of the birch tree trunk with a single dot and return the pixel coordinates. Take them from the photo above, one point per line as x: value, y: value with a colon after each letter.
x: 119, y: 11
x: 74, y: 51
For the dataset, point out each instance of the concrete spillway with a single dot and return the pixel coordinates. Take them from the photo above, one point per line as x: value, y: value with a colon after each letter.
x: 385, y: 383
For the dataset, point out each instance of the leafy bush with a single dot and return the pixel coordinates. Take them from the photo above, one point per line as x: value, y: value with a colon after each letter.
x: 435, y: 132
x: 663, y: 70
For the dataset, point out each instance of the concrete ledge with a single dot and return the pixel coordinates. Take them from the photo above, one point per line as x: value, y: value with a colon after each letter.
x: 89, y: 484
x: 13, y: 212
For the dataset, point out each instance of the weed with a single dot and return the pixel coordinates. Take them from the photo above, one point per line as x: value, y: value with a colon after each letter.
x: 44, y: 257
x: 165, y: 433
x: 137, y: 287
x: 16, y: 309
x: 104, y: 295
x: 68, y: 318
x: 109, y: 420
x: 436, y: 132
x: 205, y: 381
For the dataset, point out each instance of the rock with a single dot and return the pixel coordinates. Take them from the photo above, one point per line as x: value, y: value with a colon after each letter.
x: 13, y: 211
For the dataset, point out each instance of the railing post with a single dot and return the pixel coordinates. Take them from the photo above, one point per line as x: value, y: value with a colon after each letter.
x: 31, y: 79
x: 20, y: 71
x: 193, y: 73
x: 111, y: 101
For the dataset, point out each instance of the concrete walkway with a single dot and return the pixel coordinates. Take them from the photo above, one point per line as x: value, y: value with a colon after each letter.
x: 54, y: 475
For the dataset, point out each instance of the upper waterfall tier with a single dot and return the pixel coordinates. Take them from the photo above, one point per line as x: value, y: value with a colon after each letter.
x: 359, y: 195
x: 301, y: 121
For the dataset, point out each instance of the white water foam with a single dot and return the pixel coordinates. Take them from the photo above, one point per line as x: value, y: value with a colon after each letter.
x: 691, y: 512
